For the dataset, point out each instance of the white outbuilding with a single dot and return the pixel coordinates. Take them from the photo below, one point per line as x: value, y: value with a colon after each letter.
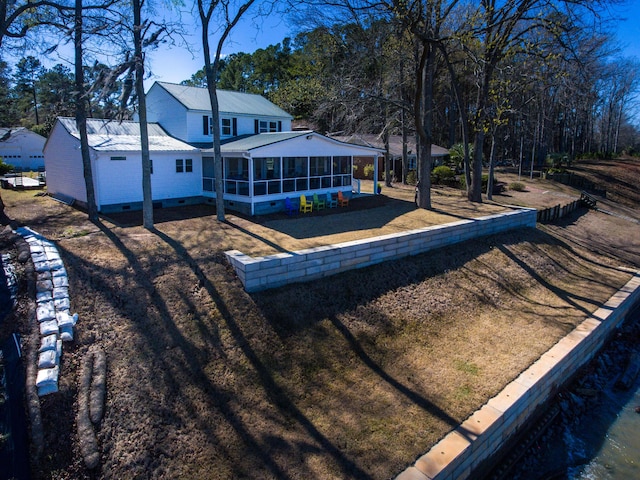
x: 22, y: 148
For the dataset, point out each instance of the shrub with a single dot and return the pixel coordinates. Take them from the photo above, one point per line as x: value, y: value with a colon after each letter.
x: 368, y: 171
x: 485, y: 182
x: 456, y: 155
x: 442, y: 175
x: 517, y: 187
x: 412, y: 177
x: 5, y: 167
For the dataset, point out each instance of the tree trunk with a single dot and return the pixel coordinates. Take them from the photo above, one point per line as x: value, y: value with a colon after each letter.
x: 424, y: 124
x: 387, y: 161
x: 147, y: 201
x: 81, y: 114
x: 491, y: 166
x: 464, y: 119
x: 475, y: 193
x: 211, y: 73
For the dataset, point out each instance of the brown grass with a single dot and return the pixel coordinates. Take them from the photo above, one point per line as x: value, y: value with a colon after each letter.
x: 353, y: 376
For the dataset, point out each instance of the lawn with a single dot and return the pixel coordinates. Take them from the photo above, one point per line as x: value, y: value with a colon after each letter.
x: 353, y: 376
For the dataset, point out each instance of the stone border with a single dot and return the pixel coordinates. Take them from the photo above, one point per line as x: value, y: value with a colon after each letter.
x: 261, y: 273
x: 55, y: 321
x: 487, y: 430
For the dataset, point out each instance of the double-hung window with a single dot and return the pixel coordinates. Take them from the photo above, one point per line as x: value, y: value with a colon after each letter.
x: 226, y: 127
x: 184, y: 165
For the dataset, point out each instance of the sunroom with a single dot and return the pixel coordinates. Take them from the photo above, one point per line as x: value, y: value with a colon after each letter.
x: 261, y: 171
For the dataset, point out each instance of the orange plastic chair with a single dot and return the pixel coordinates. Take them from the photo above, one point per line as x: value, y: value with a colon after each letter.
x: 304, y: 205
x: 342, y: 200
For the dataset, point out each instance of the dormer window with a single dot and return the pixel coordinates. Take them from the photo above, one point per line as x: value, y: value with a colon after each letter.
x: 226, y: 127
x: 264, y: 126
x: 207, y: 125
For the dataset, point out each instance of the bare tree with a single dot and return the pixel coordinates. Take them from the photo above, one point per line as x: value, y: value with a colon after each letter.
x: 81, y: 111
x: 230, y: 14
x: 19, y: 17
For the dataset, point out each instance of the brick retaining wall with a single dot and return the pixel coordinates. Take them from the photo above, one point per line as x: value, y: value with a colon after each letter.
x: 484, y: 433
x: 272, y: 271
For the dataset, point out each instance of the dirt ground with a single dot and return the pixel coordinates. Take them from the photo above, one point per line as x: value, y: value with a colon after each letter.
x: 353, y: 376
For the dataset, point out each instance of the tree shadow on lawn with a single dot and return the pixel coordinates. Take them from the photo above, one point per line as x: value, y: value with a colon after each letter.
x: 297, y: 306
x: 300, y: 307
x: 277, y: 394
x: 374, y: 217
x: 160, y: 215
x: 161, y: 333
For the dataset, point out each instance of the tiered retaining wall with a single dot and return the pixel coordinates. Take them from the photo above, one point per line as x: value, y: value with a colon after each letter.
x: 468, y: 447
x: 272, y: 271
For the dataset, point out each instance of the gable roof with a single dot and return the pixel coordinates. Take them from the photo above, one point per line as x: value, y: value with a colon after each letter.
x: 112, y: 135
x: 246, y: 143
x: 7, y: 133
x: 229, y: 102
x: 250, y: 142
x: 395, y: 144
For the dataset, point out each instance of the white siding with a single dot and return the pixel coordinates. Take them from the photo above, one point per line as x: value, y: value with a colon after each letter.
x: 63, y: 163
x: 120, y: 181
x: 246, y: 125
x: 168, y: 112
x: 167, y: 183
x: 194, y: 127
x: 23, y: 149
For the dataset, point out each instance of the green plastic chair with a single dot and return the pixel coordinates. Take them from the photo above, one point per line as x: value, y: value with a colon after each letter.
x: 318, y: 203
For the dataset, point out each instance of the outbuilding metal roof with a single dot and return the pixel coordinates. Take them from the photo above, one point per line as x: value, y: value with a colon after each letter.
x: 116, y: 136
x: 197, y: 98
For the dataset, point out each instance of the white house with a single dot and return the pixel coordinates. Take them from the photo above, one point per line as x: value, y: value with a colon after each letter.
x: 260, y: 169
x: 185, y: 113
x: 22, y: 148
x: 116, y: 165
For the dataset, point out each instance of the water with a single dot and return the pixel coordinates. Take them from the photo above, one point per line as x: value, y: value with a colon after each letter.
x: 616, y: 456
x: 597, y: 434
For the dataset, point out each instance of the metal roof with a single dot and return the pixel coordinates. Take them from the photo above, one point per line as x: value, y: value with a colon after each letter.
x: 246, y: 143
x: 116, y: 136
x: 7, y: 133
x: 229, y: 102
x: 249, y: 142
x: 395, y: 143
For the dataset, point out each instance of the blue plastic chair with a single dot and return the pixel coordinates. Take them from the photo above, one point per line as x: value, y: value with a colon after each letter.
x: 290, y: 208
x: 331, y: 202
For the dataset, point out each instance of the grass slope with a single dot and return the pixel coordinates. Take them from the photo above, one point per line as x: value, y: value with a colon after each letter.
x: 353, y: 376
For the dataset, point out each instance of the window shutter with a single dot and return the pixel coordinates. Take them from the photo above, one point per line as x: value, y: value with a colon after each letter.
x: 279, y: 126
x: 205, y: 124
x: 235, y: 127
x: 256, y: 126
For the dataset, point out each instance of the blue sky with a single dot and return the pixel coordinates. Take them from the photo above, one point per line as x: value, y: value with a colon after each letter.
x: 174, y: 64
x: 628, y: 28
